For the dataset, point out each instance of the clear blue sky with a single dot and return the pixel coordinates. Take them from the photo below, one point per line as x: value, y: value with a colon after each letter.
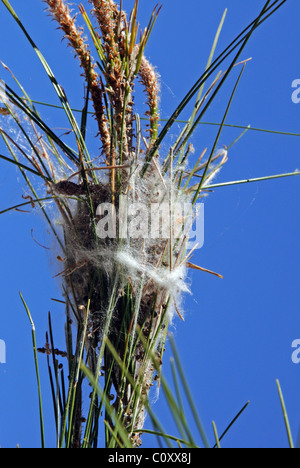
x: 237, y: 336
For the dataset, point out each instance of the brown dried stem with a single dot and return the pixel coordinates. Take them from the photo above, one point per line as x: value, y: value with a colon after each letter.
x: 149, y: 79
x: 62, y: 14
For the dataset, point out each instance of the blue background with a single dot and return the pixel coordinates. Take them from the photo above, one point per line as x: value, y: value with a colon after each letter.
x: 237, y: 336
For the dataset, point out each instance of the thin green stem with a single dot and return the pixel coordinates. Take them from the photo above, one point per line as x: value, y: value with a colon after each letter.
x: 32, y: 203
x: 203, y: 178
x: 285, y: 416
x: 241, y: 41
x: 233, y: 421
x: 188, y: 394
x: 256, y: 179
x: 58, y: 89
x: 37, y: 372
x: 23, y: 166
x: 179, y: 121
x: 168, y: 436
x: 216, y: 434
